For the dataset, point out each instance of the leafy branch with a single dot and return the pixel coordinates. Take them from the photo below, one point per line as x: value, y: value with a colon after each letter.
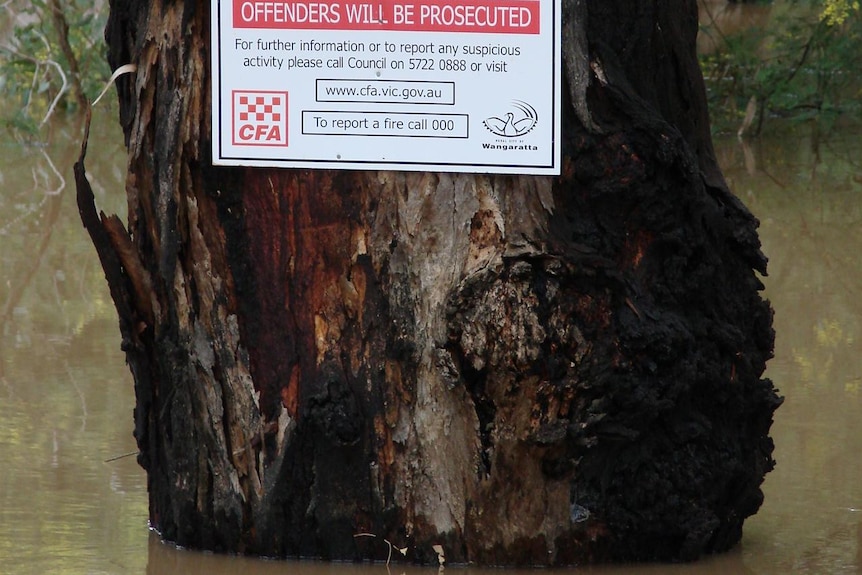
x: 47, y: 60
x: 798, y: 64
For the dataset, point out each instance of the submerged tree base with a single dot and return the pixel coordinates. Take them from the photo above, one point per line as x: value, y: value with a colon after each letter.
x: 510, y: 369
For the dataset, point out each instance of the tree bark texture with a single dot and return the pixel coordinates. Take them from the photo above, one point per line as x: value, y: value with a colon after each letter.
x: 524, y: 370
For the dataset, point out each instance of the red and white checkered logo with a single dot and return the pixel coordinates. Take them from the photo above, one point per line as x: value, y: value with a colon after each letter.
x: 259, y: 118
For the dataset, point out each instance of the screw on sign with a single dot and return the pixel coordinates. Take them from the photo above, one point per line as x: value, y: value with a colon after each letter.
x: 259, y: 118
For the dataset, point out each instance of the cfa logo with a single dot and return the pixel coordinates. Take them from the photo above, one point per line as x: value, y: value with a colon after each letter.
x: 259, y: 118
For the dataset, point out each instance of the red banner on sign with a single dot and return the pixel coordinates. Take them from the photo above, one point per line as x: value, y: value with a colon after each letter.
x: 478, y: 16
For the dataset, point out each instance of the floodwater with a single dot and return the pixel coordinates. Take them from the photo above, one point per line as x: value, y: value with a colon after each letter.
x: 66, y: 396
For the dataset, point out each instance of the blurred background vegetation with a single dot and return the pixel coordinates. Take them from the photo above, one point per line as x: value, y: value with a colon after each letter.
x: 762, y: 60
x: 791, y: 59
x: 52, y: 60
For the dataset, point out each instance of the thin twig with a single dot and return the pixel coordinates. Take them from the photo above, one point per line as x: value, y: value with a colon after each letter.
x: 32, y: 90
x: 123, y: 456
x: 388, y: 542
x: 388, y: 557
x: 39, y: 63
x: 124, y: 69
x: 81, y: 396
x: 57, y: 173
x: 63, y: 89
x: 61, y: 26
x: 715, y: 25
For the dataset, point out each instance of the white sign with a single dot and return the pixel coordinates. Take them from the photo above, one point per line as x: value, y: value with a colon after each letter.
x: 430, y: 85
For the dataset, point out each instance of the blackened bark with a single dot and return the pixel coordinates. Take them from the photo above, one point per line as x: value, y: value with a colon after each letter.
x: 520, y: 369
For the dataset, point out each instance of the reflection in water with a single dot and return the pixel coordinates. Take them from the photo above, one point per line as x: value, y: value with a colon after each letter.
x: 64, y: 390
x: 165, y: 558
x: 66, y: 396
x: 807, y: 194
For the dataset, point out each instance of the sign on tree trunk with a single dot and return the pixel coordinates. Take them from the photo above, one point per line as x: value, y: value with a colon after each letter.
x: 401, y: 84
x: 507, y: 368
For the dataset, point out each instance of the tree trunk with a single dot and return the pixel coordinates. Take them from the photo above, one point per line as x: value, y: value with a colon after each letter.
x: 521, y: 369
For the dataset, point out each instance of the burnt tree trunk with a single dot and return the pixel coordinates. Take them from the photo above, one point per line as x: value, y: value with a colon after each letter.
x: 520, y: 369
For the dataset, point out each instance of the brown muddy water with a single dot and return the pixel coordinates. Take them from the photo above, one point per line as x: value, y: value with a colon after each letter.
x: 66, y: 396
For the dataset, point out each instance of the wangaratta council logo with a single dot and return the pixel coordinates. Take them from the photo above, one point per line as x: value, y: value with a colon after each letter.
x: 519, y: 119
x: 259, y: 118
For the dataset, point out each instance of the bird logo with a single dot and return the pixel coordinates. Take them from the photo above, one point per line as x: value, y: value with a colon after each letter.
x: 519, y: 120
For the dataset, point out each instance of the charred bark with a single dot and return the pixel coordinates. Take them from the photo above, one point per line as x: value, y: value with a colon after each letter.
x: 521, y: 369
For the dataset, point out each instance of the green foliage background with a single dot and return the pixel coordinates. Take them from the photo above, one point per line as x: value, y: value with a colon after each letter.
x: 36, y: 80
x: 802, y: 64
